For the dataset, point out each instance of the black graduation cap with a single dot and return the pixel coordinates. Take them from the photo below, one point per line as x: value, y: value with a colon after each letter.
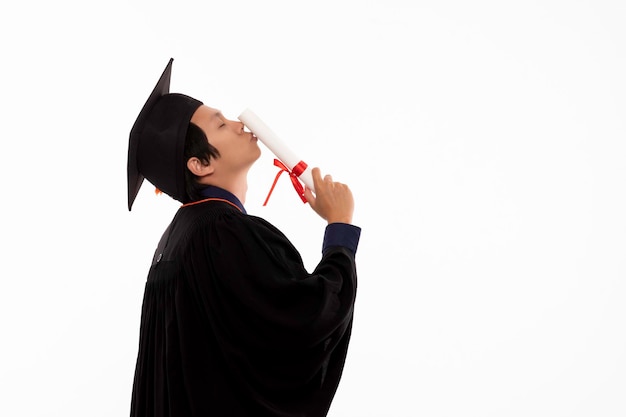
x: 157, y: 141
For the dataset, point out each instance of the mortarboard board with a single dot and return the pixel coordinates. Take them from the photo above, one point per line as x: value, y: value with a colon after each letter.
x: 157, y: 141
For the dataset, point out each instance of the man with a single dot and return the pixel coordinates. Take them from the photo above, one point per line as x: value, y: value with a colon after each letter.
x: 232, y: 324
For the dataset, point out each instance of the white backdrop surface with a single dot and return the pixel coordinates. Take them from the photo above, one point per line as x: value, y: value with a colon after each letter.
x: 484, y: 141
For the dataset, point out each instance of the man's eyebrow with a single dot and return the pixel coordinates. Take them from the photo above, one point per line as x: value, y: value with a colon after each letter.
x: 216, y: 117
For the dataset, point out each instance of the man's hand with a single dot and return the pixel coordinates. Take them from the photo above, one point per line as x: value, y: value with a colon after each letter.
x: 332, y: 201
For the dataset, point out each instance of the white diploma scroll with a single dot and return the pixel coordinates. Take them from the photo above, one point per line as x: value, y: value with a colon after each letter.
x: 275, y: 144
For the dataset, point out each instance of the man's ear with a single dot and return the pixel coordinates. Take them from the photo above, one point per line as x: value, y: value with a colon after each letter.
x: 199, y: 168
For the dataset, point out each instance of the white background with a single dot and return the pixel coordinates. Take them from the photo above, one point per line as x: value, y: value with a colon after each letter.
x: 484, y: 142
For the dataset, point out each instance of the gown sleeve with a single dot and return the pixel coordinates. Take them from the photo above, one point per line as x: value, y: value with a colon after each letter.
x: 279, y: 324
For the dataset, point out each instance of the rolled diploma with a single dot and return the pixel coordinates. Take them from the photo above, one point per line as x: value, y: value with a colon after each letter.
x: 275, y: 144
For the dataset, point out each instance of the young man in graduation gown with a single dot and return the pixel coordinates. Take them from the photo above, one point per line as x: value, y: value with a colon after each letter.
x: 232, y: 324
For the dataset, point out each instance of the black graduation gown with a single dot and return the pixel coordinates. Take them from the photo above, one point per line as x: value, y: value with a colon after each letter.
x: 233, y: 325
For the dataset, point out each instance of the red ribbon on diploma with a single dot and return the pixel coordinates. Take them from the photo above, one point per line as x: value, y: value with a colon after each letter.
x: 293, y: 174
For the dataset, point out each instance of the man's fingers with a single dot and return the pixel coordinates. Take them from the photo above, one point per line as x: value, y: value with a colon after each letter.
x: 315, y: 172
x: 310, y: 197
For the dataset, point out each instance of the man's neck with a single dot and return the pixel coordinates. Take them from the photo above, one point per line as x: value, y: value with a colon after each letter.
x: 238, y: 186
x: 239, y: 190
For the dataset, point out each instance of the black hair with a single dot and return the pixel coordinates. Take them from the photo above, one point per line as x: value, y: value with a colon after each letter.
x: 196, y: 145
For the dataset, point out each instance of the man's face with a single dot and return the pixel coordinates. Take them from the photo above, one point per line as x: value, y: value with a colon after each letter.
x: 238, y: 149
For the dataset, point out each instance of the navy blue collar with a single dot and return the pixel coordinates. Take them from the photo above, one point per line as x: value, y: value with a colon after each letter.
x: 212, y: 191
